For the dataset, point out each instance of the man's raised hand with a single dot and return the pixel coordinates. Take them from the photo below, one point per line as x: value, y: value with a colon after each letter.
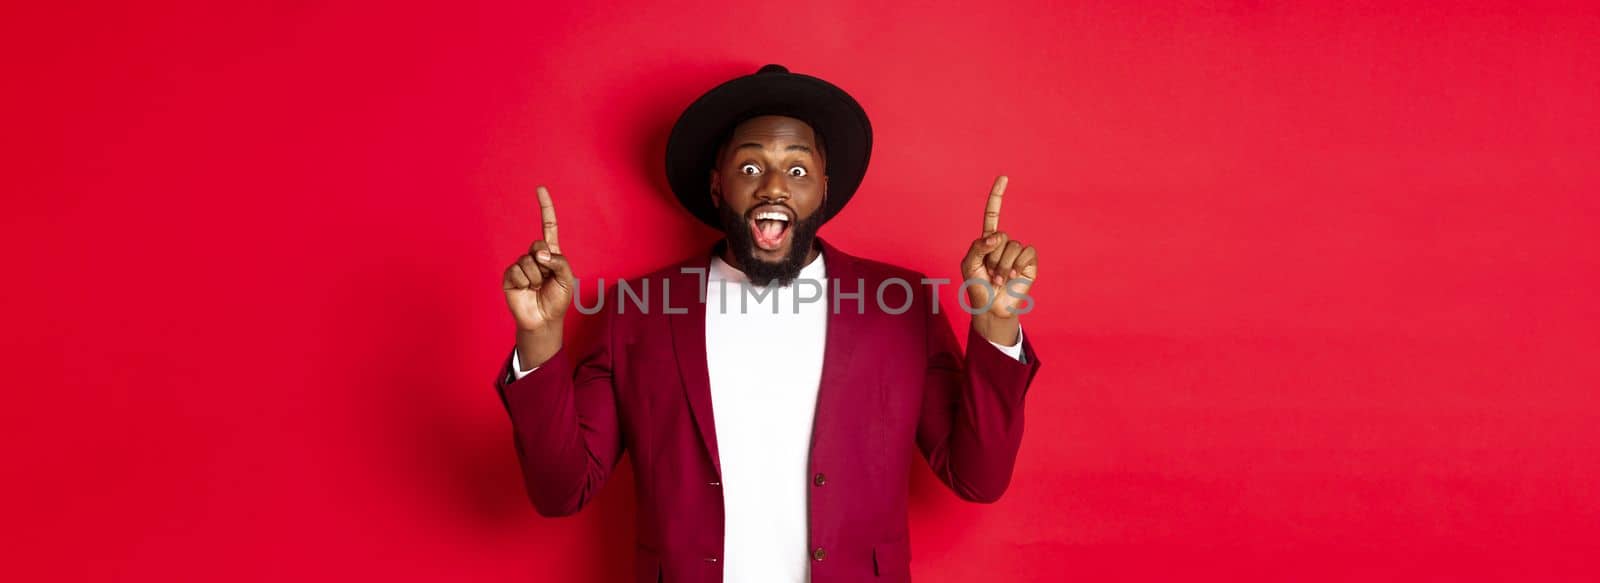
x: 539, y: 288
x: 995, y: 258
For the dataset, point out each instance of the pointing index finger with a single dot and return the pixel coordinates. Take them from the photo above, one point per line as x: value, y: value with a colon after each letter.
x: 547, y: 213
x: 991, y: 213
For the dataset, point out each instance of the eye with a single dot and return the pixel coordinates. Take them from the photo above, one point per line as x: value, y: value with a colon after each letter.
x: 797, y: 171
x: 749, y: 170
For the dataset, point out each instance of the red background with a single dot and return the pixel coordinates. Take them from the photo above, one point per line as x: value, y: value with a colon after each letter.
x: 1317, y: 297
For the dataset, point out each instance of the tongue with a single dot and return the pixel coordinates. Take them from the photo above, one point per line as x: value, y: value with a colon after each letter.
x: 769, y: 234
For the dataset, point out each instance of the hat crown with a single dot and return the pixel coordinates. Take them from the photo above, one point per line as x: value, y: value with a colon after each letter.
x: 773, y: 69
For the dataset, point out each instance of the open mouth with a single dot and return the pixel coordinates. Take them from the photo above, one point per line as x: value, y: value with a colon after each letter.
x: 769, y: 227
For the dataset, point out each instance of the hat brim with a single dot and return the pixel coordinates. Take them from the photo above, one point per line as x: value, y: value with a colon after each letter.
x: 832, y: 113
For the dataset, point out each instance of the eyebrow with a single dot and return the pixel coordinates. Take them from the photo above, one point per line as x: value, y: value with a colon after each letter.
x: 791, y: 148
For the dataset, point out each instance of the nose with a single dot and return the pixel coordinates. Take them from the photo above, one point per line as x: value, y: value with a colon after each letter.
x: 773, y: 188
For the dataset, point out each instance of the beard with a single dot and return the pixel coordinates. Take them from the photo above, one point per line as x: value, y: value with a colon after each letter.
x: 743, y: 244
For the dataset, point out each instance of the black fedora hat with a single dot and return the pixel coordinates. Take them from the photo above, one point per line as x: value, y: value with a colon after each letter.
x: 833, y: 114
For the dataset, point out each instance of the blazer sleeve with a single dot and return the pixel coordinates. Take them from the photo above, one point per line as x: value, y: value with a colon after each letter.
x: 565, y: 425
x: 971, y: 423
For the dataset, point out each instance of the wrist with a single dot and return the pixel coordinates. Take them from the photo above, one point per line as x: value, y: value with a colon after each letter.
x: 534, y: 347
x: 1002, y: 330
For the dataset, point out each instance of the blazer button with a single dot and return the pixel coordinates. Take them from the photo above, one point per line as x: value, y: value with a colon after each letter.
x: 819, y: 479
x: 819, y: 554
x: 717, y: 484
x: 711, y: 559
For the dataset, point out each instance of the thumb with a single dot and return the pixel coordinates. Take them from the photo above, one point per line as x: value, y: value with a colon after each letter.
x: 980, y: 247
x: 557, y: 264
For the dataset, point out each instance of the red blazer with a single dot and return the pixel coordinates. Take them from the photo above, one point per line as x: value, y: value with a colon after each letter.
x: 892, y: 385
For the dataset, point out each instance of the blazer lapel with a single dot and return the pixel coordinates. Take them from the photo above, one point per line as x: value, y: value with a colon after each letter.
x: 689, y: 342
x: 845, y: 328
x: 843, y: 334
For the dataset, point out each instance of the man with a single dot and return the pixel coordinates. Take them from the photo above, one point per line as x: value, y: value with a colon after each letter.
x: 772, y: 418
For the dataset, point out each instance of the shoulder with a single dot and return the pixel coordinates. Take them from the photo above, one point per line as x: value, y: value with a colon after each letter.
x: 644, y: 300
x: 844, y: 265
x: 885, y: 288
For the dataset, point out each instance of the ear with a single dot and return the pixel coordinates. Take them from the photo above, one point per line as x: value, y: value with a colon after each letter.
x: 716, y: 189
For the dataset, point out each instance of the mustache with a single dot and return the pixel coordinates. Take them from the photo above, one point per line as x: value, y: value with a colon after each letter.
x: 769, y: 206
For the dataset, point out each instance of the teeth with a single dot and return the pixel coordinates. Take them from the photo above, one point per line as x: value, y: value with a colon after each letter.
x: 772, y: 216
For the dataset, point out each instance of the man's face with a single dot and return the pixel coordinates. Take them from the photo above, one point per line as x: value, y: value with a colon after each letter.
x: 768, y: 184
